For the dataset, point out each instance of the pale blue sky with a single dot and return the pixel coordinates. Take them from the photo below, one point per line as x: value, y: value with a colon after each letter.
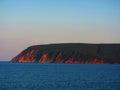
x: 29, y: 22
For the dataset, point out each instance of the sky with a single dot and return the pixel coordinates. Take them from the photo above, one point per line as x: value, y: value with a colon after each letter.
x: 24, y: 23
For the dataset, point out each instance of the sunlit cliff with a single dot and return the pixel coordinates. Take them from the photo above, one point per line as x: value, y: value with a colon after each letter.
x: 70, y: 53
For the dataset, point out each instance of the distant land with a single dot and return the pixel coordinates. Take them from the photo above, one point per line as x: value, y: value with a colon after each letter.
x: 71, y: 53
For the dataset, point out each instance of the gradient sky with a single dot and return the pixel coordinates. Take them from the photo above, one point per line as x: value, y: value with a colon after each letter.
x: 30, y: 22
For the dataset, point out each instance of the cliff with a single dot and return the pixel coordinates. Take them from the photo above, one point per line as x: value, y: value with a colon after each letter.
x: 75, y: 53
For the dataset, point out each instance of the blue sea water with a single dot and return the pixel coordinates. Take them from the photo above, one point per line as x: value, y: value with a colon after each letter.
x: 35, y: 76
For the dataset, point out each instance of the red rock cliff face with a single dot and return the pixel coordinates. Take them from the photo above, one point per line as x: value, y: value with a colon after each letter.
x: 69, y: 54
x: 28, y: 57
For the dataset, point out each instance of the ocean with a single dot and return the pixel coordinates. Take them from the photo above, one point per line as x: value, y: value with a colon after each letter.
x: 36, y: 76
